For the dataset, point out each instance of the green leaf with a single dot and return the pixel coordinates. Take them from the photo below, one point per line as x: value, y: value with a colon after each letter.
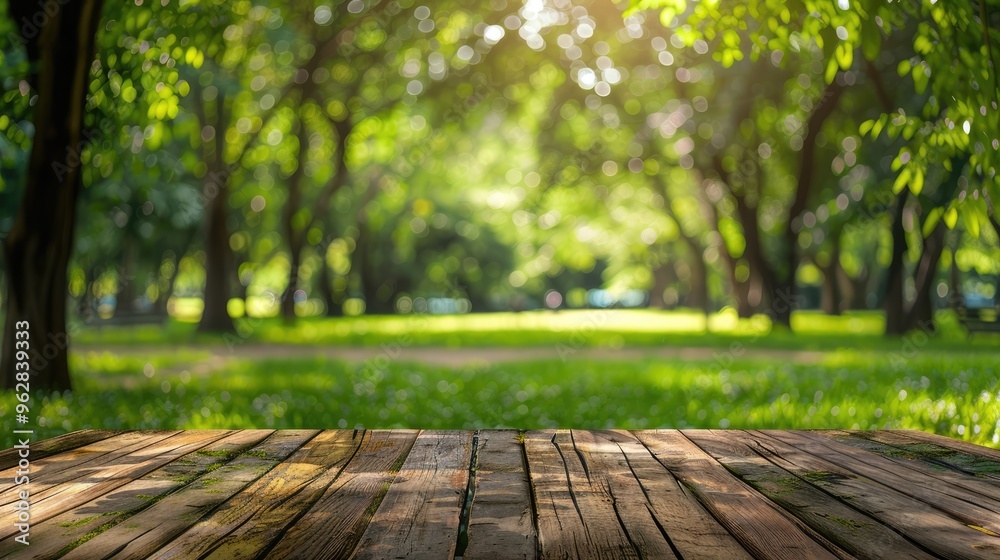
x: 831, y: 70
x: 920, y: 79
x: 933, y: 217
x: 901, y: 180
x: 904, y: 67
x: 970, y: 217
x: 879, y: 125
x: 917, y: 183
x: 951, y: 218
x: 845, y: 57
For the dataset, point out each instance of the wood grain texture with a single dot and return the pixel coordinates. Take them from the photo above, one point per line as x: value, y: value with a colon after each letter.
x: 67, y: 530
x: 930, y: 528
x: 99, y: 479
x: 333, y: 525
x: 244, y: 525
x: 924, y: 460
x: 419, y: 517
x: 574, y: 521
x: 502, y: 518
x: 957, y: 445
x: 690, y: 527
x: 756, y: 522
x: 51, y: 446
x: 157, y: 525
x: 691, y: 495
x: 958, y: 456
x: 67, y: 466
x: 958, y: 502
x: 852, y: 530
x: 612, y: 481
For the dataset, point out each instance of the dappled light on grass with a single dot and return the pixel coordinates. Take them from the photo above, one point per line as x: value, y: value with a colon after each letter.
x: 575, y: 328
x: 953, y: 396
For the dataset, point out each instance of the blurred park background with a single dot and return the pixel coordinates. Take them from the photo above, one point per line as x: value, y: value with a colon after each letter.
x: 467, y: 214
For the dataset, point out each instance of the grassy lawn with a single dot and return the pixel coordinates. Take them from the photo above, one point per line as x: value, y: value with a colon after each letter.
x: 575, y: 328
x: 862, y: 381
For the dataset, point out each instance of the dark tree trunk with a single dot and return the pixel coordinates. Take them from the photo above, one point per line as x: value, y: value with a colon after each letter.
x: 921, y: 315
x: 39, y: 244
x: 288, y: 299
x: 698, y: 281
x: 740, y: 290
x: 164, y: 296
x: 370, y: 279
x: 832, y: 295
x: 784, y: 294
x: 662, y: 276
x: 325, y: 286
x: 895, y: 306
x: 762, y: 291
x: 858, y: 297
x: 218, y: 256
x: 126, y: 279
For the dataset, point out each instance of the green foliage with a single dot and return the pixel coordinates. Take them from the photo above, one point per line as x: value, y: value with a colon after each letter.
x: 948, y: 394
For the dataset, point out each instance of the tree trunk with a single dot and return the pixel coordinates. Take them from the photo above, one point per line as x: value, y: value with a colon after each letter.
x: 369, y: 277
x: 699, y: 275
x: 832, y: 296
x: 164, y: 296
x: 785, y: 296
x: 895, y: 314
x: 324, y: 285
x: 662, y: 275
x: 762, y: 289
x: 858, y: 298
x: 740, y: 290
x: 216, y: 317
x: 921, y: 315
x: 288, y: 299
x: 39, y: 244
x: 126, y: 279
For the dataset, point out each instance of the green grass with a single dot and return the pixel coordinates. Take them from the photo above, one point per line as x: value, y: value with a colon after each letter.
x: 954, y: 395
x: 942, y: 383
x: 576, y: 328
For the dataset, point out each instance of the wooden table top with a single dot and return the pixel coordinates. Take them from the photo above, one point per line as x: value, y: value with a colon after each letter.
x: 691, y: 494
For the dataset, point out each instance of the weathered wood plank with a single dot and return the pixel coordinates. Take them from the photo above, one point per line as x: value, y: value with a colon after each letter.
x: 150, y: 529
x: 573, y: 521
x: 611, y: 479
x: 982, y: 465
x: 332, y: 527
x: 67, y: 466
x: 756, y: 522
x: 693, y: 531
x: 930, y: 528
x: 261, y: 530
x: 239, y: 528
x: 418, y: 518
x: 959, y: 456
x: 67, y: 530
x: 927, y: 460
x: 956, y: 444
x: 101, y: 480
x: 957, y: 501
x: 501, y: 518
x: 58, y: 444
x: 854, y: 531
